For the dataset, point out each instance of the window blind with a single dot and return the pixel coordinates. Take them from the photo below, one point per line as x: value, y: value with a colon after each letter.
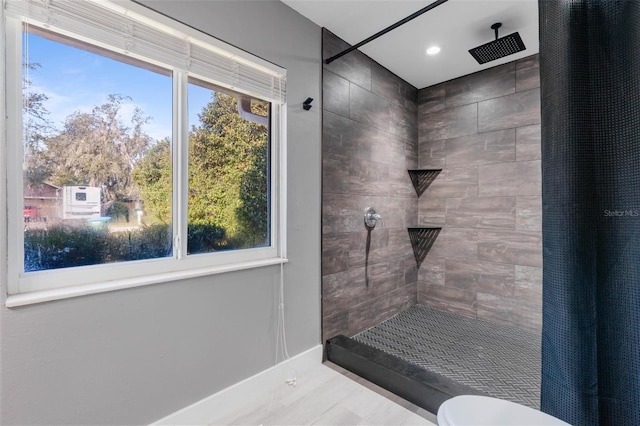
x: 128, y: 28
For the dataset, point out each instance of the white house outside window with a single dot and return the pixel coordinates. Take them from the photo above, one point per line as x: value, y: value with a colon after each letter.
x: 138, y: 151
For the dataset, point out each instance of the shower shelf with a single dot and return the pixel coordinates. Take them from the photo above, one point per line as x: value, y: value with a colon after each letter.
x: 422, y: 238
x: 422, y: 178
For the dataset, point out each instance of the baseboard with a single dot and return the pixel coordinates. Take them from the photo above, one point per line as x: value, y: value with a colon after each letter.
x: 236, y: 396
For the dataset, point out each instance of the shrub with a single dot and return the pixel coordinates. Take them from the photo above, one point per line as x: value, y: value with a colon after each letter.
x: 117, y: 210
x: 203, y: 238
x: 63, y: 246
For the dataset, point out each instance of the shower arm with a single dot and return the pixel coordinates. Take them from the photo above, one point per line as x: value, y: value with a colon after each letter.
x: 386, y: 30
x: 495, y: 28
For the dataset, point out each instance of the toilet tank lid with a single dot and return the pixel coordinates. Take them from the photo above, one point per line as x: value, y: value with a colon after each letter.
x: 482, y: 410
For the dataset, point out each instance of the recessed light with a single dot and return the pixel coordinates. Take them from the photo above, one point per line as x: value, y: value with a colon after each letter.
x: 433, y: 50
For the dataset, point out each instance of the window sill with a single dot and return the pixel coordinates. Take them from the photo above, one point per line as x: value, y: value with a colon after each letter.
x: 83, y: 290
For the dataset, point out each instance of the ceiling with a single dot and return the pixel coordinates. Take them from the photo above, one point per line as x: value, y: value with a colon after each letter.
x: 455, y: 26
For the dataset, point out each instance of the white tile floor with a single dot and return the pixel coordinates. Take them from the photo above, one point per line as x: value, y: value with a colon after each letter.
x: 329, y: 395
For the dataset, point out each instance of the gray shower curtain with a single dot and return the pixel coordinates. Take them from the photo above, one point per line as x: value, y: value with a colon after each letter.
x: 590, y: 83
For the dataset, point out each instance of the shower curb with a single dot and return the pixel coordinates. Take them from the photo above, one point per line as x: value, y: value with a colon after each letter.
x: 424, y: 388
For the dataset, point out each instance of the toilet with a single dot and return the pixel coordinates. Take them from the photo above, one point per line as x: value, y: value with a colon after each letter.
x: 475, y: 410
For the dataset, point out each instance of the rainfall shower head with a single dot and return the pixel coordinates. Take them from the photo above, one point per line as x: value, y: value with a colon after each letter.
x: 499, y: 48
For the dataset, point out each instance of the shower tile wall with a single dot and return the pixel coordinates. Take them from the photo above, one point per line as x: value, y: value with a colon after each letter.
x: 483, y: 130
x: 370, y: 136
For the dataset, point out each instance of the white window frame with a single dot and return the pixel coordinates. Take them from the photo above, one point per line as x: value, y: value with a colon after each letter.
x: 40, y: 286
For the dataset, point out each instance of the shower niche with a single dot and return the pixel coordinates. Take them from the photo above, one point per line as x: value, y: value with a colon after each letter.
x: 422, y: 178
x: 422, y: 237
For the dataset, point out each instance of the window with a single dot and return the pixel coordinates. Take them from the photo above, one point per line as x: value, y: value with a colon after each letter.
x: 139, y: 150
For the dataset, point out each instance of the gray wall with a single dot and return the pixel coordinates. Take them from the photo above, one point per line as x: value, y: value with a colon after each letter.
x: 134, y: 356
x: 369, y: 142
x: 483, y: 130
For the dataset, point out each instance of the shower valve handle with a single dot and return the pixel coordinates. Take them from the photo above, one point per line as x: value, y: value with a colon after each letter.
x: 371, y: 217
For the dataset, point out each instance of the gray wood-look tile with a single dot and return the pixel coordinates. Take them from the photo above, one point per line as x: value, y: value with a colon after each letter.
x: 411, y: 154
x: 345, y: 212
x: 364, y: 406
x: 529, y: 213
x: 368, y: 178
x: 402, y: 298
x: 431, y: 99
x: 529, y: 62
x: 432, y: 210
x: 528, y: 73
x: 368, y: 108
x: 482, y: 85
x: 431, y: 272
x: 339, y: 416
x: 507, y: 310
x: 369, y: 141
x: 481, y: 212
x: 432, y: 154
x: 410, y: 270
x: 478, y: 276
x: 355, y: 67
x: 392, y: 126
x: 495, y: 308
x: 510, y: 179
x: 411, y: 211
x: 334, y: 325
x: 399, y: 243
x: 456, y: 243
x: 529, y: 177
x: 325, y: 395
x: 335, y: 94
x: 388, y: 149
x: 378, y: 251
x: 403, y: 122
x: 513, y: 247
x: 528, y: 283
x: 449, y: 299
x: 399, y: 213
x: 343, y: 136
x: 335, y: 173
x: 367, y: 314
x: 455, y: 183
x: 449, y: 123
x: 498, y: 179
x: 527, y: 79
x: 400, y: 184
x: 343, y: 290
x: 528, y: 143
x: 483, y: 148
x: 335, y: 253
x: 490, y: 184
x: 385, y: 277
x: 391, y: 87
x: 517, y: 110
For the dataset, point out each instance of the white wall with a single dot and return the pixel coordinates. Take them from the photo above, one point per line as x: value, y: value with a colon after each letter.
x: 134, y: 356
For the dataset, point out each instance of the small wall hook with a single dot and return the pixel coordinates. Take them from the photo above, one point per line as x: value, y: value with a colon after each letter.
x: 307, y: 104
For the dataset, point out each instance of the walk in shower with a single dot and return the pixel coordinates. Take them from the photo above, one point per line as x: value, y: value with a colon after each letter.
x: 464, y: 313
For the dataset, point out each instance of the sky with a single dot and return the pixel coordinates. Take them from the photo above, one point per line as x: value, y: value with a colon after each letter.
x: 78, y: 80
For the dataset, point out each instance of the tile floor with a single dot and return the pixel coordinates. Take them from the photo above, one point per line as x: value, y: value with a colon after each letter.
x: 329, y: 395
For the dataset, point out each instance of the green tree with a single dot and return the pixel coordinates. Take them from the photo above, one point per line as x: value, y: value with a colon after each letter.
x: 36, y: 127
x: 99, y: 149
x: 154, y: 178
x: 228, y: 166
x: 228, y: 172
